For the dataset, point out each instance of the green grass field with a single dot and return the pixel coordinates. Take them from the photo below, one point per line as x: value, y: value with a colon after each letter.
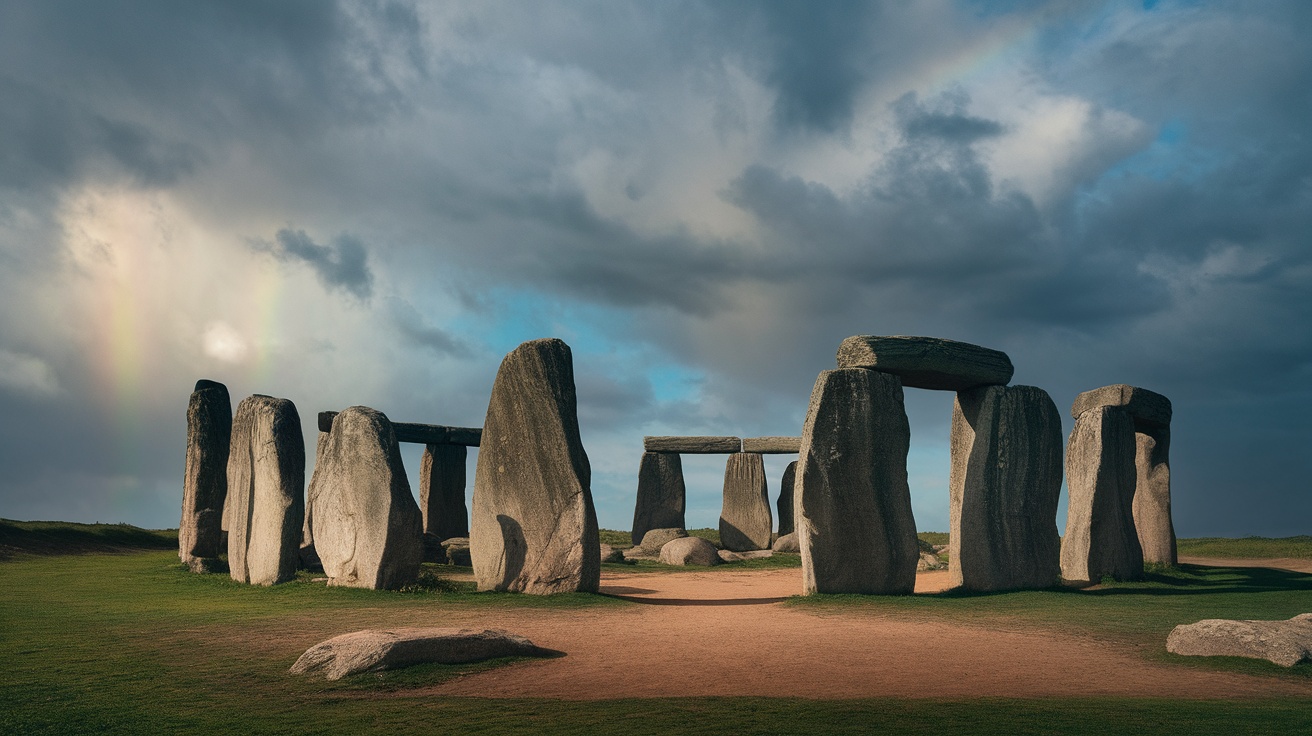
x: 132, y: 643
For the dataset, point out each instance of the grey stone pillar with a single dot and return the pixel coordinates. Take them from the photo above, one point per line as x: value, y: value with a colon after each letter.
x: 785, y: 504
x: 1100, y: 535
x: 661, y: 494
x: 205, y: 480
x: 442, y: 491
x: 265, y: 508
x: 1004, y: 486
x: 745, y: 521
x: 851, y: 503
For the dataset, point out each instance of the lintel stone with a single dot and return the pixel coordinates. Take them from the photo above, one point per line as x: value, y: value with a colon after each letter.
x: 1144, y: 406
x: 927, y: 362
x: 693, y: 445
x: 772, y: 445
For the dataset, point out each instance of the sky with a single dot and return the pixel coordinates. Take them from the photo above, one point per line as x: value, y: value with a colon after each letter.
x: 371, y: 203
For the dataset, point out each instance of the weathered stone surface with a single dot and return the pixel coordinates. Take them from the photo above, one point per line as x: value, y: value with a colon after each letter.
x: 265, y: 507
x: 787, y: 543
x: 205, y: 480
x: 772, y: 445
x: 661, y: 494
x: 1152, y: 495
x: 1143, y: 406
x: 655, y: 539
x: 457, y: 551
x: 751, y: 554
x: 374, y: 650
x: 1285, y: 643
x: 308, y: 558
x: 745, y: 520
x: 442, y: 491
x: 1004, y: 485
x: 927, y: 362
x: 1100, y: 536
x: 929, y: 561
x: 367, y: 528
x: 638, y: 553
x: 693, y: 445
x: 423, y: 434
x: 610, y: 554
x: 534, y: 527
x: 851, y: 504
x: 785, y: 502
x: 689, y: 551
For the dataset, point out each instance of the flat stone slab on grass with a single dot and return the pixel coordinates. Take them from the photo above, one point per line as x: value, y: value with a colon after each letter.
x: 1285, y: 643
x: 772, y: 445
x: 693, y: 445
x: 927, y: 362
x: 374, y: 650
x: 1143, y: 405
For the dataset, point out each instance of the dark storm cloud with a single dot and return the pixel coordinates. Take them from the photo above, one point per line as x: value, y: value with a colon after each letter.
x: 417, y: 330
x: 342, y: 265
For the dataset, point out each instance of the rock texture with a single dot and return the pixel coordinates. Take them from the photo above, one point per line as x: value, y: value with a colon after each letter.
x: 655, y: 539
x: 661, y: 494
x: 265, y: 507
x: 1100, y: 536
x: 1144, y: 406
x: 927, y: 362
x: 1285, y: 643
x: 852, y: 505
x: 689, y: 551
x: 366, y: 526
x: 456, y: 550
x: 308, y: 557
x: 442, y: 491
x: 745, y: 521
x: 205, y: 480
x: 772, y: 445
x: 534, y: 526
x: 374, y: 650
x: 1004, y: 485
x: 787, y: 543
x: 610, y: 554
x: 693, y: 445
x: 785, y: 503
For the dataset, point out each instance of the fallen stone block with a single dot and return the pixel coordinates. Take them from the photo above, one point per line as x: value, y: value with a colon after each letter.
x: 689, y: 551
x: 693, y: 445
x: 728, y: 555
x: 374, y: 650
x: 787, y: 543
x: 1285, y: 643
x: 927, y: 362
x: 655, y: 539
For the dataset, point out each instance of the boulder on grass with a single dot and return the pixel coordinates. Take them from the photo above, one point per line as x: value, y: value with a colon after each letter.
x: 374, y: 650
x: 456, y: 550
x: 689, y: 551
x: 655, y: 539
x: 787, y: 543
x: 1285, y: 643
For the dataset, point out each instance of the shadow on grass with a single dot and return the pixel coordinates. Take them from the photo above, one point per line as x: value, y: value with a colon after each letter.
x: 1182, y: 580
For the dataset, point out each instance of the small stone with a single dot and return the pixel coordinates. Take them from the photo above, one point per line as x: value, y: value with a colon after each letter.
x: 534, y: 526
x: 787, y: 543
x: 772, y: 445
x: 927, y: 362
x: 745, y: 522
x: 205, y: 480
x: 442, y: 490
x: 655, y: 539
x: 367, y: 527
x: 374, y: 650
x: 1100, y: 537
x: 1285, y: 643
x: 265, y: 507
x: 928, y: 562
x: 785, y: 502
x: 689, y: 551
x: 661, y: 494
x: 693, y: 445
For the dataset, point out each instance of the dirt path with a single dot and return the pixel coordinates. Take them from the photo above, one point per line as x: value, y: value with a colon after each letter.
x: 725, y: 633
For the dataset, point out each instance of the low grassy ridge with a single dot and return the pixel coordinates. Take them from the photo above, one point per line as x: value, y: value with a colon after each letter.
x: 132, y: 643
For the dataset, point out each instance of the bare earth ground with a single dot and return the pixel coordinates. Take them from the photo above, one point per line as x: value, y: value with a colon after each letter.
x: 727, y: 633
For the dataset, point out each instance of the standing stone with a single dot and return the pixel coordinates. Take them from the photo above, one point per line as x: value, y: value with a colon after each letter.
x: 309, y: 559
x: 1004, y: 486
x: 1100, y: 536
x: 534, y: 527
x: 366, y: 525
x: 661, y: 494
x: 785, y: 504
x: 205, y: 481
x: 442, y: 491
x: 745, y: 522
x: 266, y: 491
x: 851, y: 503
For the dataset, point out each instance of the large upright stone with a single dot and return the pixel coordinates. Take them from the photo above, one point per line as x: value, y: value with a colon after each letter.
x: 442, y: 491
x: 661, y: 494
x: 1151, y: 413
x: 309, y: 558
x: 534, y: 526
x: 745, y: 522
x: 1004, y: 486
x: 1100, y: 537
x: 785, y: 503
x: 927, y: 362
x: 266, y: 491
x: 365, y: 523
x: 205, y: 480
x: 851, y: 502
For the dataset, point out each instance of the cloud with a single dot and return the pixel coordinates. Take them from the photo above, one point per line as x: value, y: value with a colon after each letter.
x: 342, y: 265
x: 27, y: 375
x: 413, y: 327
